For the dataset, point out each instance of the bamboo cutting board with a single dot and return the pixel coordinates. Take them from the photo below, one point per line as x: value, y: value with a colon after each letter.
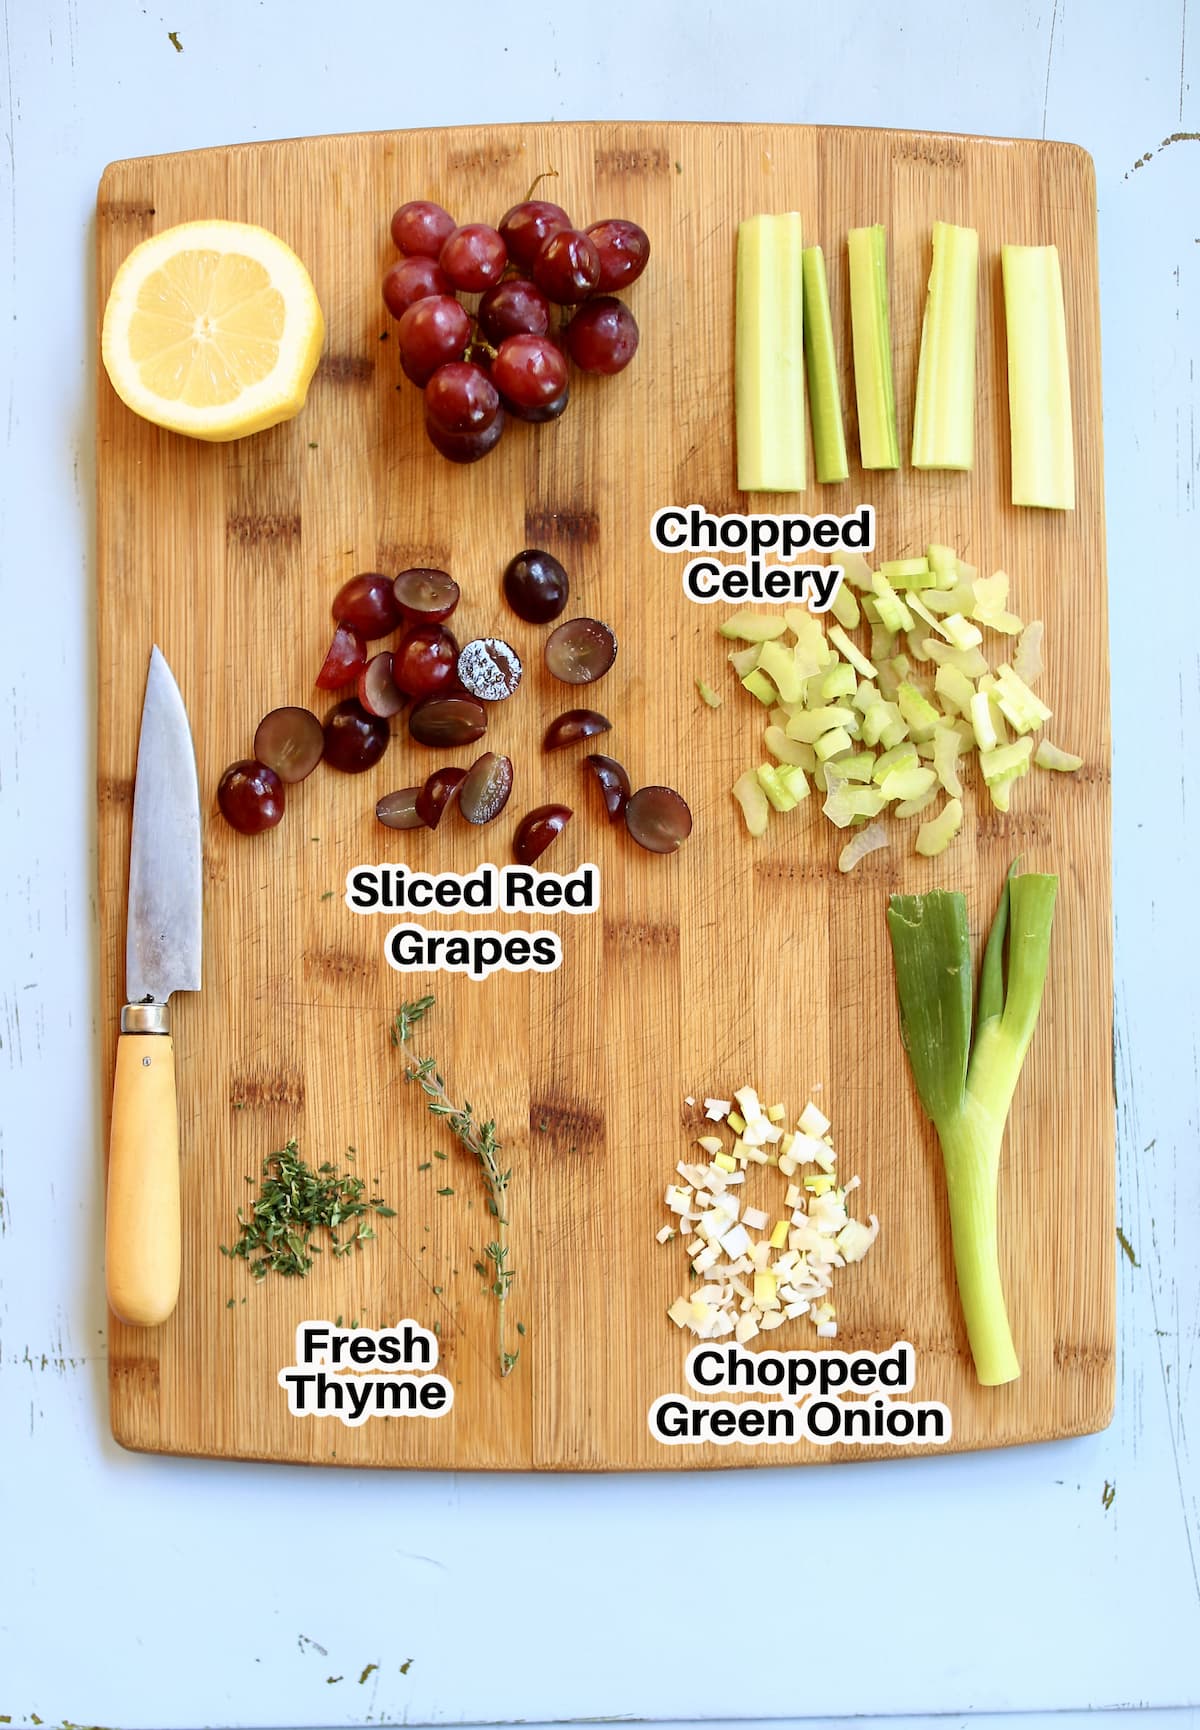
x: 733, y: 962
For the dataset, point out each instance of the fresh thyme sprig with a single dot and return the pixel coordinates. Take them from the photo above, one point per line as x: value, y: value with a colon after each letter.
x: 479, y: 1139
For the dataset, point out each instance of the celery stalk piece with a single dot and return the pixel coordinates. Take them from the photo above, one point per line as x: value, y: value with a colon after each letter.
x: 871, y: 334
x: 820, y: 358
x: 944, y: 414
x: 966, y: 1084
x: 1039, y: 380
x: 769, y: 355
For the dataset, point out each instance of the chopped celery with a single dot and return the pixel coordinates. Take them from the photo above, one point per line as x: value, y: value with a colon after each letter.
x: 753, y: 627
x: 1039, y: 381
x: 809, y: 724
x: 855, y: 657
x: 981, y: 722
x: 960, y: 633
x: 794, y: 779
x: 868, y: 840
x: 829, y: 744
x: 914, y: 642
x: 860, y: 767
x: 824, y: 391
x: 914, y: 807
x: 1048, y: 756
x: 906, y: 572
x: 904, y: 784
x: 892, y: 611
x: 779, y: 664
x: 744, y: 661
x: 1017, y: 702
x: 936, y: 835
x: 870, y: 328
x: 844, y: 803
x: 966, y: 1084
x: 944, y: 412
x: 954, y: 688
x: 942, y: 559
x: 761, y: 687
x: 844, y: 606
x: 777, y: 793
x: 858, y: 571
x: 839, y: 680
x: 918, y: 711
x: 786, y: 750
x: 902, y: 756
x: 753, y: 801
x: 769, y: 355
x: 1027, y: 661
x: 947, y: 749
x: 972, y: 663
x: 1006, y: 760
x: 707, y: 694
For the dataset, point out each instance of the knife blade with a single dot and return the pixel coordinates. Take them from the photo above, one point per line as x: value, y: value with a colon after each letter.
x: 162, y: 955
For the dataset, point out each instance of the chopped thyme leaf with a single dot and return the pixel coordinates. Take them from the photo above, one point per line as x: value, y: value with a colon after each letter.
x: 446, y: 1191
x: 294, y: 1202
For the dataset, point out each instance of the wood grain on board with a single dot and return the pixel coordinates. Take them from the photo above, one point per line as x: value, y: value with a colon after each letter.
x: 733, y: 962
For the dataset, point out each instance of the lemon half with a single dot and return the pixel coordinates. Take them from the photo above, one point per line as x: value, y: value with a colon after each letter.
x: 212, y: 329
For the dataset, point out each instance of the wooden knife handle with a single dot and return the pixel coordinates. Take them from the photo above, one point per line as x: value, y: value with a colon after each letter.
x: 142, y: 1229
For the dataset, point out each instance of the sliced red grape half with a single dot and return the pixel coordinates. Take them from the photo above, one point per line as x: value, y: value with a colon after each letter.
x: 580, y: 651
x: 426, y: 595
x: 344, y: 660
x: 399, y: 810
x: 290, y: 741
x: 250, y: 797
x: 537, y: 829
x: 658, y: 819
x: 450, y: 721
x: 436, y: 794
x: 489, y: 668
x: 614, y: 782
x: 354, y: 740
x: 572, y: 726
x: 484, y: 793
x: 378, y: 691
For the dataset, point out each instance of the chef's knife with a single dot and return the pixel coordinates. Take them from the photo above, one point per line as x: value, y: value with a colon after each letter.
x: 162, y: 955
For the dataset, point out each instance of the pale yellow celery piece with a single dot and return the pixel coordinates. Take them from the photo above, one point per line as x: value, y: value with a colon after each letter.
x: 820, y: 355
x: 1039, y: 380
x: 870, y: 329
x: 944, y: 414
x: 769, y: 355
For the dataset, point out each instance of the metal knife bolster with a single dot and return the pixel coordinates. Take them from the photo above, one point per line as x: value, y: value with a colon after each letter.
x: 146, y: 1018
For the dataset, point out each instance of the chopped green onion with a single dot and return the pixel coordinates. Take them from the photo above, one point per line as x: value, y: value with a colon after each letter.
x: 769, y: 355
x: 944, y: 412
x: 871, y: 333
x: 966, y: 1084
x: 824, y: 392
x: 1039, y: 380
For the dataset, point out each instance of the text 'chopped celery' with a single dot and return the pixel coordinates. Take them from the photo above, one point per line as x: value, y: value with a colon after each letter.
x: 944, y: 415
x: 769, y: 355
x: 871, y: 336
x: 966, y: 1082
x: 1039, y: 379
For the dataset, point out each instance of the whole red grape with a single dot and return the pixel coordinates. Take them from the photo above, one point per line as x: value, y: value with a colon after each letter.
x: 410, y: 280
x: 512, y: 308
x: 466, y: 447
x: 421, y: 229
x: 529, y: 371
x: 474, y: 257
x: 624, y: 251
x: 567, y: 268
x: 250, y: 797
x: 461, y: 398
x: 528, y: 226
x: 433, y: 331
x: 602, y: 336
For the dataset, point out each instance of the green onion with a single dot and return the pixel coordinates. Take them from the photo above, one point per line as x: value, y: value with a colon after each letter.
x: 871, y: 333
x: 944, y: 414
x: 824, y: 392
x: 769, y: 355
x: 966, y: 1084
x: 1039, y: 381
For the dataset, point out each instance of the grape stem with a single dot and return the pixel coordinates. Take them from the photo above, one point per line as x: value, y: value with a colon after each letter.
x: 479, y: 1139
x: 546, y: 174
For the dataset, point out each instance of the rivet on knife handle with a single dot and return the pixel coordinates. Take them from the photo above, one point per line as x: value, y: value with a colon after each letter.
x: 142, y: 1231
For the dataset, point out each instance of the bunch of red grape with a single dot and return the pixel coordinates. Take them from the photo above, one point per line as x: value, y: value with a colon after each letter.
x: 545, y: 295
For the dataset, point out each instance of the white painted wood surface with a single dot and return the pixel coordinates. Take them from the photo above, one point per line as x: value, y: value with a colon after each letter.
x: 144, y: 1592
